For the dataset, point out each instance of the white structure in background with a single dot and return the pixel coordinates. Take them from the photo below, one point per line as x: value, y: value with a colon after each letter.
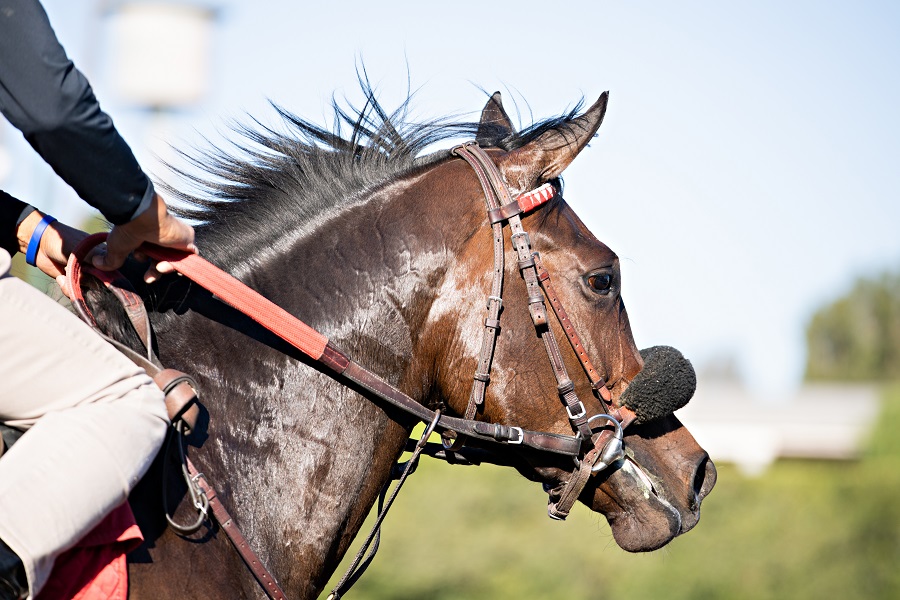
x: 162, y: 57
x: 5, y: 161
x: 818, y: 421
x: 162, y: 64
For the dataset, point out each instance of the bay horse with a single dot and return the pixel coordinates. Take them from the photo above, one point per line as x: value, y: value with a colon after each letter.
x: 386, y: 250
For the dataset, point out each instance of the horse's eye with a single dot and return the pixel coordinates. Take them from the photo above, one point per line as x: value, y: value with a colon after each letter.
x: 600, y: 282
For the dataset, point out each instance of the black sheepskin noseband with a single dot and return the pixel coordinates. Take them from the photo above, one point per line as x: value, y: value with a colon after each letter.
x: 665, y: 384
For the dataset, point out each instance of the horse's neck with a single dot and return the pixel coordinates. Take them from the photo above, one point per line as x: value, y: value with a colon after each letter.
x: 304, y: 457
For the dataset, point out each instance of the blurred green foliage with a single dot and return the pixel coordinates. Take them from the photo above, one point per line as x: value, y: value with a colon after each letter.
x: 805, y: 529
x: 857, y: 337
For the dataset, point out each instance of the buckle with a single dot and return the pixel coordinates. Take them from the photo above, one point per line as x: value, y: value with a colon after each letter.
x: 495, y: 298
x: 581, y: 412
x: 524, y: 234
x: 521, y: 435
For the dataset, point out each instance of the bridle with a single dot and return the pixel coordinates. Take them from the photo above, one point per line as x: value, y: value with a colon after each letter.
x: 597, y: 442
x: 598, y: 449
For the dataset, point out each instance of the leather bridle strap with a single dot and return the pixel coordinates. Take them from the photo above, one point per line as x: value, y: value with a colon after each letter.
x: 495, y: 300
x: 500, y: 208
x: 598, y: 382
x: 497, y: 193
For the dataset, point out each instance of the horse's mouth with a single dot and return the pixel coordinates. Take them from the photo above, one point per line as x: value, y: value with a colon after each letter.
x: 639, y: 515
x: 649, y: 521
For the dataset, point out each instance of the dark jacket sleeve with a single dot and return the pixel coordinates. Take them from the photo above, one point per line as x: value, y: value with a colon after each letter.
x: 52, y: 104
x: 12, y: 211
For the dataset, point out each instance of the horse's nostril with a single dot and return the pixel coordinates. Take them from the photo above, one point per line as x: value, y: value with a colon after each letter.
x: 704, y: 480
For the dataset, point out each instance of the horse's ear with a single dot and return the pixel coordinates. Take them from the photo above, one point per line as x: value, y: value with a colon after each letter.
x: 546, y: 157
x: 495, y: 124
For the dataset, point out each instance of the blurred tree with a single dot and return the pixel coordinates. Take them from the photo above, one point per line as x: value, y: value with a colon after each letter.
x: 857, y: 337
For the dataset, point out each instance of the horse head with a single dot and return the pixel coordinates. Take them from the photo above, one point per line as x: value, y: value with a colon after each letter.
x: 652, y: 493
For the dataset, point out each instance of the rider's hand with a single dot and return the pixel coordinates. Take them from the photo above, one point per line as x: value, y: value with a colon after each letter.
x: 57, y: 243
x: 154, y: 225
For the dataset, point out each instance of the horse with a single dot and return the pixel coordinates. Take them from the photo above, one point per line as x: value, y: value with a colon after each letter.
x: 385, y: 249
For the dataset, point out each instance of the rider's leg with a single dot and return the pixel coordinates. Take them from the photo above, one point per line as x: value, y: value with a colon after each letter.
x: 95, y: 421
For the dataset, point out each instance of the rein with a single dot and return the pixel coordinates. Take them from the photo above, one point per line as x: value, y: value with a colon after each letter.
x: 598, y: 439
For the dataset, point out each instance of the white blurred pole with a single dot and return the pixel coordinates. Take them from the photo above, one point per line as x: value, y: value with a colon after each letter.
x: 160, y: 63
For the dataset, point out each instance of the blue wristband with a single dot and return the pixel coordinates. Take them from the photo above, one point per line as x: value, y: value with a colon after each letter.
x: 35, y: 242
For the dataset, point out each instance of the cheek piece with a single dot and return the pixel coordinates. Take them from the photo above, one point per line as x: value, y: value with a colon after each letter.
x: 664, y: 385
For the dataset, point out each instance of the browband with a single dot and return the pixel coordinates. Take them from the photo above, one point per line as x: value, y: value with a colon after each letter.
x: 523, y: 204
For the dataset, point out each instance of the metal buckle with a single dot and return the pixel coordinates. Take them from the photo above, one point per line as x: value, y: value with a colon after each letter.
x: 497, y: 298
x: 582, y: 412
x: 524, y: 234
x: 521, y: 435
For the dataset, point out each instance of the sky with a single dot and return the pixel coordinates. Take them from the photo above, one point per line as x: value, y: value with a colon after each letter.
x: 746, y: 171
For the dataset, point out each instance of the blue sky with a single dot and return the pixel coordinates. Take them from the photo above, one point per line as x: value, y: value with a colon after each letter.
x: 745, y: 174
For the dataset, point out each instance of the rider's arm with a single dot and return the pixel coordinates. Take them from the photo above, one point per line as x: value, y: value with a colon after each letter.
x: 51, y: 102
x: 12, y: 213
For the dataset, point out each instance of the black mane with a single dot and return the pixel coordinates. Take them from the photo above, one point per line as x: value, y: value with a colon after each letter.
x: 275, y: 182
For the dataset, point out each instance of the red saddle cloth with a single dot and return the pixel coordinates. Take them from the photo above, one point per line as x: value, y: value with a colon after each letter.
x: 95, y: 568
